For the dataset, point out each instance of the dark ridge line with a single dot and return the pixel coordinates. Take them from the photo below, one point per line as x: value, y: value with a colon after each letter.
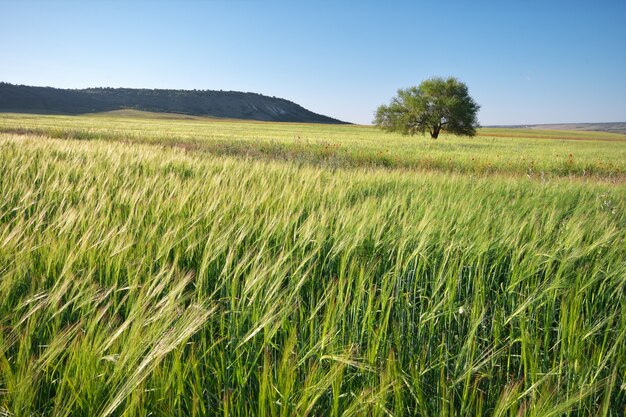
x: 213, y: 103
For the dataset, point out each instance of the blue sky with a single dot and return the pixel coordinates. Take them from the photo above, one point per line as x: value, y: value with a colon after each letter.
x: 523, y: 61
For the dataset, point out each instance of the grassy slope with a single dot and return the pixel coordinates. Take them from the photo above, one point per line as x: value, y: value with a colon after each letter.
x: 158, y: 281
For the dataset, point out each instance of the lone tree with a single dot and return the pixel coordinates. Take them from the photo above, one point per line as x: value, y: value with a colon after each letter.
x: 437, y: 105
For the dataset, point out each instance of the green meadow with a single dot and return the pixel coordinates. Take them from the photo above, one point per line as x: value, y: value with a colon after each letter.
x: 158, y: 265
x: 493, y: 151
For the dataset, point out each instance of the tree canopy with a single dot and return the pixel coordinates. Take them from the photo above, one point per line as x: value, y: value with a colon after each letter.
x: 436, y: 105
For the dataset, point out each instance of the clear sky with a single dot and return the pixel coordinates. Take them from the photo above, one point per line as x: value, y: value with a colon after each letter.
x: 523, y: 61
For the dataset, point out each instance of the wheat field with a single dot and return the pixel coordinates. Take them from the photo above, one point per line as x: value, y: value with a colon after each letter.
x: 193, y: 267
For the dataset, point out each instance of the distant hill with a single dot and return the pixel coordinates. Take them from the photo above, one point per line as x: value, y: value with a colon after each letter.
x: 227, y: 104
x: 612, y: 127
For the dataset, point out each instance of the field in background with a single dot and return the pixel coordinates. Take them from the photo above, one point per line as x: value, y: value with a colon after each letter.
x: 190, y: 267
x: 495, y: 151
x: 612, y: 127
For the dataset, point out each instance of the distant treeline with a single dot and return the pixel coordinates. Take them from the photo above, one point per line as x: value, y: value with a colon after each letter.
x: 228, y: 104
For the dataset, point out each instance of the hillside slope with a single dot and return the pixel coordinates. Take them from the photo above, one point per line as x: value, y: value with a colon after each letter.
x: 227, y: 104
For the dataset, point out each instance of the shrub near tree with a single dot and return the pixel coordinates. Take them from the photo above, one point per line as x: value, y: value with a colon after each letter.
x: 436, y: 105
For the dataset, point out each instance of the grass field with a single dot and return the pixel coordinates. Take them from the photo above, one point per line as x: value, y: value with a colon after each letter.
x: 192, y: 267
x: 499, y: 151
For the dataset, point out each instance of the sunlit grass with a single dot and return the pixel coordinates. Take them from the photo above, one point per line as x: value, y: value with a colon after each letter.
x: 493, y: 151
x: 145, y: 280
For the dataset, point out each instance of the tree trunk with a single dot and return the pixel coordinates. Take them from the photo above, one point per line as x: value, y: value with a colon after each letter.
x: 435, y: 132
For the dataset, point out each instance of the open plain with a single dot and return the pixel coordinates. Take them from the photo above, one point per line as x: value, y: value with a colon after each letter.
x: 166, y: 265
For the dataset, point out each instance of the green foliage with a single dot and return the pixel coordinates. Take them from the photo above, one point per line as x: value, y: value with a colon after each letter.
x: 141, y: 279
x: 437, y: 105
